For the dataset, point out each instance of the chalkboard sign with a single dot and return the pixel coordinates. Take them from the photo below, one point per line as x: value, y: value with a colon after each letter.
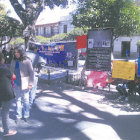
x: 99, y: 50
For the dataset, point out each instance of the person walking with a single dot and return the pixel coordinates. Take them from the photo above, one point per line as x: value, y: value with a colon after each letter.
x: 6, y: 95
x: 21, y: 66
x: 36, y: 62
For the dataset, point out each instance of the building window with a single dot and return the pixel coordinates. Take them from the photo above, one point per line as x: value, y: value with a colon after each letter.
x: 36, y: 31
x: 125, y: 52
x: 44, y: 31
x: 65, y: 28
x: 52, y: 31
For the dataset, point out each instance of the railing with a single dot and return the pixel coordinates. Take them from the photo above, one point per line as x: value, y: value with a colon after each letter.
x: 76, y: 79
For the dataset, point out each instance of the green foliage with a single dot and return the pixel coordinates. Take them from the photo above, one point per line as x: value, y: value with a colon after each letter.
x: 17, y: 41
x: 42, y: 39
x: 138, y: 43
x: 122, y: 16
x: 76, y: 32
x: 8, y: 26
x: 2, y: 11
x: 68, y: 36
x: 58, y: 37
x: 62, y: 37
x: 29, y: 11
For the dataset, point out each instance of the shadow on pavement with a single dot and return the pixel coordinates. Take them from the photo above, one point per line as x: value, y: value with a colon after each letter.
x: 60, y: 116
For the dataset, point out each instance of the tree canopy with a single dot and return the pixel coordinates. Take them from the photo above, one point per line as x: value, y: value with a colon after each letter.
x: 8, y: 26
x: 29, y: 11
x: 121, y: 15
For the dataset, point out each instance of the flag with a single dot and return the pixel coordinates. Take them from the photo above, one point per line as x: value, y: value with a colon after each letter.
x: 81, y: 41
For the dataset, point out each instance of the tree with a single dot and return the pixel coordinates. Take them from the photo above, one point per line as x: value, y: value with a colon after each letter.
x: 17, y: 41
x: 62, y: 37
x: 8, y: 26
x: 29, y: 11
x: 121, y: 15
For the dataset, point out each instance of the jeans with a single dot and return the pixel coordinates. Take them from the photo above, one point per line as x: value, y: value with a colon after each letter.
x: 22, y: 103
x: 5, y: 115
x: 32, y: 93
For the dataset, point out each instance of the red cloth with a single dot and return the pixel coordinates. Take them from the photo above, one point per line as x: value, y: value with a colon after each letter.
x: 84, y: 54
x: 13, y: 78
x: 81, y: 41
x: 97, y: 78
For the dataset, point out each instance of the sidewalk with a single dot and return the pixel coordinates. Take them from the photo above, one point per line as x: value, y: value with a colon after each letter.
x: 65, y: 112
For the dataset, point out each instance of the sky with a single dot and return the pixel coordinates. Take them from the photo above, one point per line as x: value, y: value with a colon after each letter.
x: 47, y: 16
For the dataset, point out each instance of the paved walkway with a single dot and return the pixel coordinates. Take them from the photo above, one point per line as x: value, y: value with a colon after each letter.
x: 67, y: 113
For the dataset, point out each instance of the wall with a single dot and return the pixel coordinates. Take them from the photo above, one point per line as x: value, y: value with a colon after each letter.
x: 66, y: 20
x: 58, y: 27
x: 133, y: 46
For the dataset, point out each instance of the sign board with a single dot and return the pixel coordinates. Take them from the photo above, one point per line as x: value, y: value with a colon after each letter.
x: 99, y: 50
x: 123, y: 70
x: 61, y: 54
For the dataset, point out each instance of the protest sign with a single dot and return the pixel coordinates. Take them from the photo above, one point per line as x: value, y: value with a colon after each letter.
x: 123, y: 70
x: 99, y: 50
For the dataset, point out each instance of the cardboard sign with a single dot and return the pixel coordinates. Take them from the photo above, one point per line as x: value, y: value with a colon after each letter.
x: 123, y: 70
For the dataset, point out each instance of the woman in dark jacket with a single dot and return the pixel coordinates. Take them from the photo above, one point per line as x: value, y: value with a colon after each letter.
x: 6, y: 95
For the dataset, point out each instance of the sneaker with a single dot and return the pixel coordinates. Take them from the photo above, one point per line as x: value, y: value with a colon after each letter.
x: 1, y: 129
x: 25, y: 119
x: 11, y: 133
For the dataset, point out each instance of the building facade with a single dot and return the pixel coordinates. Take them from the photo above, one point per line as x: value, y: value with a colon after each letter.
x: 126, y: 47
x: 51, y: 29
x: 123, y: 46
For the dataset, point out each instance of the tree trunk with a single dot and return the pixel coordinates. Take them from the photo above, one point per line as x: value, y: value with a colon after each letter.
x: 28, y: 16
x: 29, y: 35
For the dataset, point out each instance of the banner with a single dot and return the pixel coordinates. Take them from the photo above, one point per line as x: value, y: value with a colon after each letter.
x: 138, y: 67
x: 61, y: 54
x: 81, y: 41
x: 123, y: 70
x: 99, y: 50
x: 97, y: 78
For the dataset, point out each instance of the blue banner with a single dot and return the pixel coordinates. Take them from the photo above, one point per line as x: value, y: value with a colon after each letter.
x: 138, y: 66
x: 62, y: 55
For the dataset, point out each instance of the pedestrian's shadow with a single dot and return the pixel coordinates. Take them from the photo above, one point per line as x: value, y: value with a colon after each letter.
x: 118, y: 123
x: 56, y: 119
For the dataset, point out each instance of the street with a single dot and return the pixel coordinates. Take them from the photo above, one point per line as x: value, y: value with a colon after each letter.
x: 65, y: 112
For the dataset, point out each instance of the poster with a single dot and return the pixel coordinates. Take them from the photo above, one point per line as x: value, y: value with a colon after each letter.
x: 99, y: 50
x: 123, y: 70
x: 90, y: 43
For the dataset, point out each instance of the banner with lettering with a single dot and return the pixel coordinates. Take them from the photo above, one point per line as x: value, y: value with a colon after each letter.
x: 61, y: 54
x: 123, y: 70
